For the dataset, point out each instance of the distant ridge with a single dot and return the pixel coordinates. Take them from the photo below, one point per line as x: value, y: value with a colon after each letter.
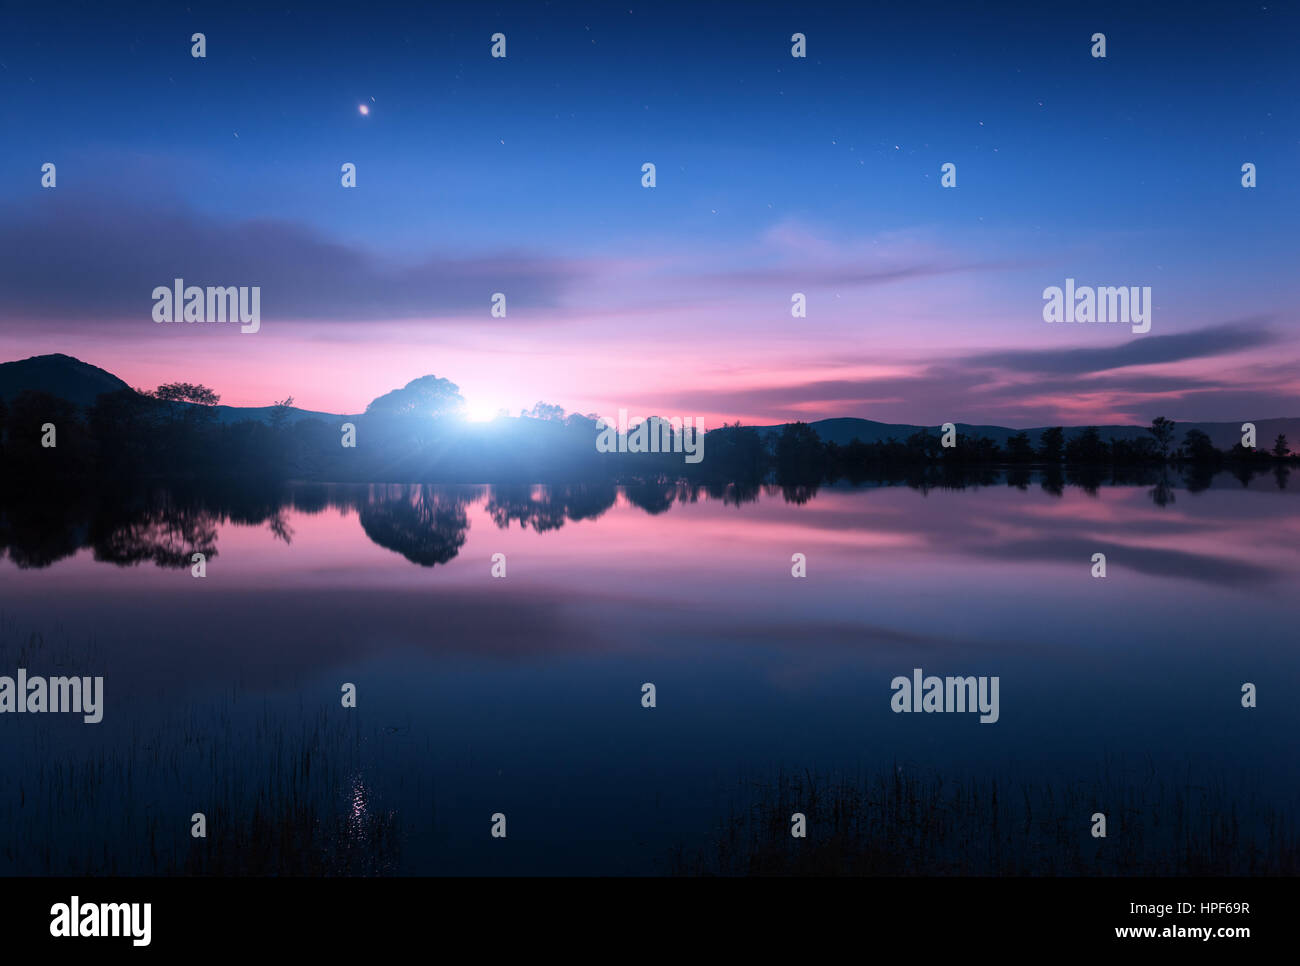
x: 59, y: 375
x: 1224, y: 435
x: 81, y: 383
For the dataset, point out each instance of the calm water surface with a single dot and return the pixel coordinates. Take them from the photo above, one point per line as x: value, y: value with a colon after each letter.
x: 522, y: 695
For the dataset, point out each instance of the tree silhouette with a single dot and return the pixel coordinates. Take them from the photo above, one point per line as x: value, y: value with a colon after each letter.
x: 1051, y: 445
x: 1162, y: 430
x: 1280, y: 448
x: 1198, y: 448
x: 1086, y: 447
x: 25, y: 456
x: 280, y: 412
x: 653, y: 496
x: 186, y: 392
x: 166, y: 536
x: 1162, y: 494
x: 423, y: 524
x: 800, y: 456
x: 426, y: 396
x: 543, y: 410
x: 1019, y: 449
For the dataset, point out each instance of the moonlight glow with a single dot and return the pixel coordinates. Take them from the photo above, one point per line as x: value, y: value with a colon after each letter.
x: 481, y: 412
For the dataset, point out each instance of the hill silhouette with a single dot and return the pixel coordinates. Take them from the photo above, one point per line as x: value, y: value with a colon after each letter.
x: 108, y: 430
x: 81, y: 383
x: 63, y: 376
x: 843, y: 430
x: 67, y: 377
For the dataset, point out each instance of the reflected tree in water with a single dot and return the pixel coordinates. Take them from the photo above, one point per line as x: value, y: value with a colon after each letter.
x: 653, y: 496
x: 546, y: 508
x: 424, y: 524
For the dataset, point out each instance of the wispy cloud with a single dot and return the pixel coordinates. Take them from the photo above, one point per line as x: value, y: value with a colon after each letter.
x: 1150, y: 350
x: 1040, y: 387
x: 101, y: 261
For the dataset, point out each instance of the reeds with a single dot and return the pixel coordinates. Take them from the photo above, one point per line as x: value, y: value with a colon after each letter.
x: 900, y: 823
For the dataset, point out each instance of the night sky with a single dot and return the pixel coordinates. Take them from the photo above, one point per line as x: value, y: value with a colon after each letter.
x: 775, y: 175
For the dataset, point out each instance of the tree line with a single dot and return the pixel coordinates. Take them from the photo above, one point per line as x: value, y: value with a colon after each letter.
x: 418, y: 434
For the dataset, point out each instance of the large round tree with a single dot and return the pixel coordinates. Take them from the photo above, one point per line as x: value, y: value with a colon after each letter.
x: 427, y: 396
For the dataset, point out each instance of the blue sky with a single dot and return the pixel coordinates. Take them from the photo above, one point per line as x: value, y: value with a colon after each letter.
x: 1117, y: 171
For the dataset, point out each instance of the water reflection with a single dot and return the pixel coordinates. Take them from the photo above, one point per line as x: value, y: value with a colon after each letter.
x: 427, y: 524
x: 477, y: 691
x: 424, y: 524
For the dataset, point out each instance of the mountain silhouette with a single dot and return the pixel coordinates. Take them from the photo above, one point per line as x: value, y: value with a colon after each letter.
x: 1224, y: 435
x: 59, y: 375
x: 81, y: 383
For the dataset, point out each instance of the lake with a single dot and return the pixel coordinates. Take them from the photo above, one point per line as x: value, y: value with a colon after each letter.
x: 479, y: 695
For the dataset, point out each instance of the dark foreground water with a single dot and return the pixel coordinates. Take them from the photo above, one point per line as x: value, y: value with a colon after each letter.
x: 522, y: 695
